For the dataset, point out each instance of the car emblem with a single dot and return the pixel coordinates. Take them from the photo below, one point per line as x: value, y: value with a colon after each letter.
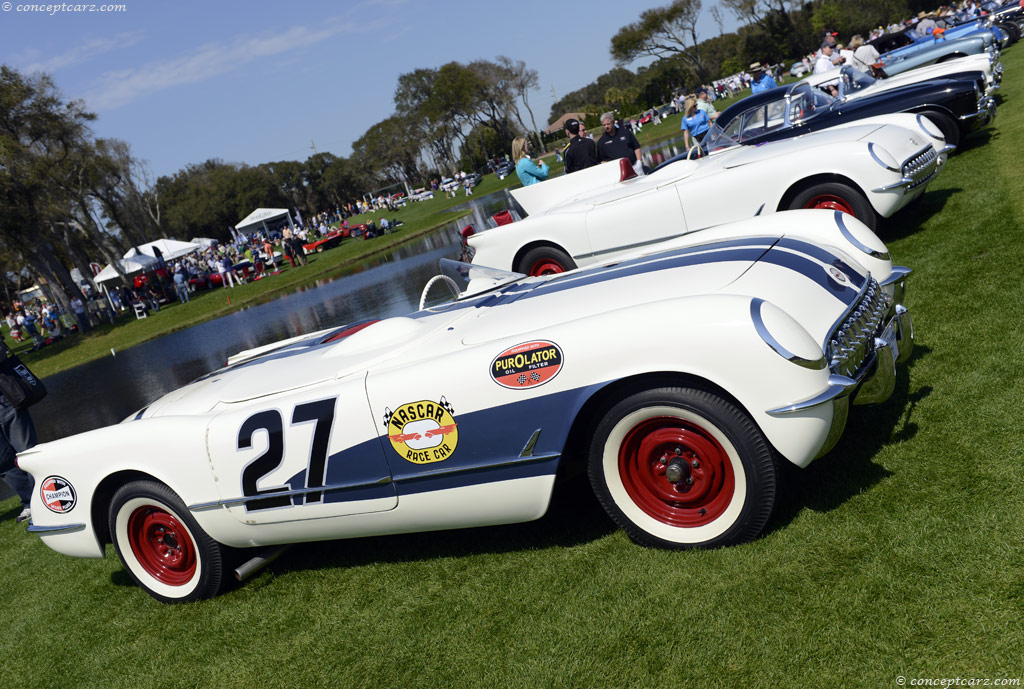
x: 915, y: 141
x: 837, y: 274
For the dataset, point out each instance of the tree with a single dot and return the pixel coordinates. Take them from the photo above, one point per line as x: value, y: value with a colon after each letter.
x: 592, y: 93
x: 522, y: 80
x: 663, y: 32
x: 39, y: 134
x: 392, y: 149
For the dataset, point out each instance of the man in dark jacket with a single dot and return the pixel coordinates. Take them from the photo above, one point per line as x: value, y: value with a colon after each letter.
x: 17, y: 433
x: 580, y: 153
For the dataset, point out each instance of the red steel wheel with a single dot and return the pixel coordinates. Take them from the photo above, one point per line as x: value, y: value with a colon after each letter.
x: 546, y: 266
x: 837, y: 196
x: 544, y: 260
x: 162, y: 546
x: 676, y: 471
x: 682, y: 468
x: 830, y: 202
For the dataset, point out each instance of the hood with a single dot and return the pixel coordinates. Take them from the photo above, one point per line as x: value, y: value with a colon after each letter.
x: 813, y: 284
x: 744, y: 155
x: 681, y: 268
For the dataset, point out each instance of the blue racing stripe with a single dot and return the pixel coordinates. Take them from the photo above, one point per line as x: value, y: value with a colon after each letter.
x: 813, y: 272
x: 825, y: 257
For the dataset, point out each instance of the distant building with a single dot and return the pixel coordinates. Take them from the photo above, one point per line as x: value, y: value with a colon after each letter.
x: 559, y: 124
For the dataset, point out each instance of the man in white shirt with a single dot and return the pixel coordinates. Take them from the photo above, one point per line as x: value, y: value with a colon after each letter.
x: 827, y: 60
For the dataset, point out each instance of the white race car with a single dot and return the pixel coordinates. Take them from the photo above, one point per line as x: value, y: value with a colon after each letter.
x: 679, y: 379
x: 867, y: 168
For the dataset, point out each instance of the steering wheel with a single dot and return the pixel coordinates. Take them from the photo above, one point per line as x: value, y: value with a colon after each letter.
x: 452, y: 285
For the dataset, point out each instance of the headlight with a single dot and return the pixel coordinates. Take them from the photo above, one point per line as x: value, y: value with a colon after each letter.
x: 929, y: 127
x: 883, y: 157
x: 785, y: 336
x: 857, y: 233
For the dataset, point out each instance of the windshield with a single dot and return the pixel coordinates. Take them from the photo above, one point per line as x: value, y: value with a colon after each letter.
x: 718, y: 139
x: 847, y: 80
x: 472, y: 279
x: 805, y: 102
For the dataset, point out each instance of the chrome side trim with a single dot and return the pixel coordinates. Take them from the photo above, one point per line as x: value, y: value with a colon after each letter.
x: 53, y: 530
x: 837, y: 387
x: 883, y: 255
x: 762, y: 331
x: 234, y: 502
x: 518, y: 461
x: 626, y: 247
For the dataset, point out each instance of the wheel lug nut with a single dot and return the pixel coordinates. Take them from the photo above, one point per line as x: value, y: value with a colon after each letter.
x: 679, y: 450
x: 689, y: 480
x: 694, y: 463
x: 663, y: 461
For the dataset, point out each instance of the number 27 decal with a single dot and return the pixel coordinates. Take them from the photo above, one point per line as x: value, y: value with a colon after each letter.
x: 321, y: 413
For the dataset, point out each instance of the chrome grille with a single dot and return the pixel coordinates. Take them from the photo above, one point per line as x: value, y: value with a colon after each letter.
x: 919, y: 169
x: 853, y: 339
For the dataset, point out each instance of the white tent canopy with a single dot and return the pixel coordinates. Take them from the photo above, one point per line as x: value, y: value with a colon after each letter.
x: 261, y: 216
x: 169, y: 248
x: 203, y: 241
x: 129, y: 265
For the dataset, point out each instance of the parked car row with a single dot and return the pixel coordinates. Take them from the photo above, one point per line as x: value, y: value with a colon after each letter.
x: 680, y: 337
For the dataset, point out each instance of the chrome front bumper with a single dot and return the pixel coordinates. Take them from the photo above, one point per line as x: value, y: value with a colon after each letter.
x: 874, y: 380
x: 985, y: 114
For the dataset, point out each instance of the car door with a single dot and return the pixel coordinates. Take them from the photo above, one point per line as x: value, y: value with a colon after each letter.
x: 618, y: 225
x: 310, y: 454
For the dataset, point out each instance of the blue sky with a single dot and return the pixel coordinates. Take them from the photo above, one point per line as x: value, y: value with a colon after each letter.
x: 256, y: 81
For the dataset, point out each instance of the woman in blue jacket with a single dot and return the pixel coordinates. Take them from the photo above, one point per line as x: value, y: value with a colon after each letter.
x: 529, y: 172
x: 695, y: 122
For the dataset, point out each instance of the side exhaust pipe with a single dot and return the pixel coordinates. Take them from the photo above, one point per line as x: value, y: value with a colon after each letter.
x: 247, y: 569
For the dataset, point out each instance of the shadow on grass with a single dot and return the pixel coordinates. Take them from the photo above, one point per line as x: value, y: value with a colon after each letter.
x: 574, y: 517
x: 977, y: 139
x: 909, y: 220
x: 11, y: 513
x: 848, y: 469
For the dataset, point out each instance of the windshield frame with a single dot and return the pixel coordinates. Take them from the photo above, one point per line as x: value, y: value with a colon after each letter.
x: 473, y: 280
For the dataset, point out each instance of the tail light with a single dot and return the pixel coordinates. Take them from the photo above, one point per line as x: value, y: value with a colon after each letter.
x: 626, y: 170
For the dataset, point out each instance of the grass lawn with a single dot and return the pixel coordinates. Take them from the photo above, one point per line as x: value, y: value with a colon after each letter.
x: 899, y: 555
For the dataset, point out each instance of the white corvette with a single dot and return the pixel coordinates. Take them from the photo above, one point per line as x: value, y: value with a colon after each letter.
x: 867, y: 168
x: 680, y: 379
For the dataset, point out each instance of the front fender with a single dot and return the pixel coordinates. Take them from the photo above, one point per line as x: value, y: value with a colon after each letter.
x: 170, y: 449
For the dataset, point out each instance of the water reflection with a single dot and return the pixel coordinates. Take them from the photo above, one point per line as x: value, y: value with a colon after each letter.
x: 658, y: 153
x: 106, y: 391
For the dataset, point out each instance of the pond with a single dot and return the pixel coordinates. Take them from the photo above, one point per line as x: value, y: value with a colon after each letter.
x: 106, y: 391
